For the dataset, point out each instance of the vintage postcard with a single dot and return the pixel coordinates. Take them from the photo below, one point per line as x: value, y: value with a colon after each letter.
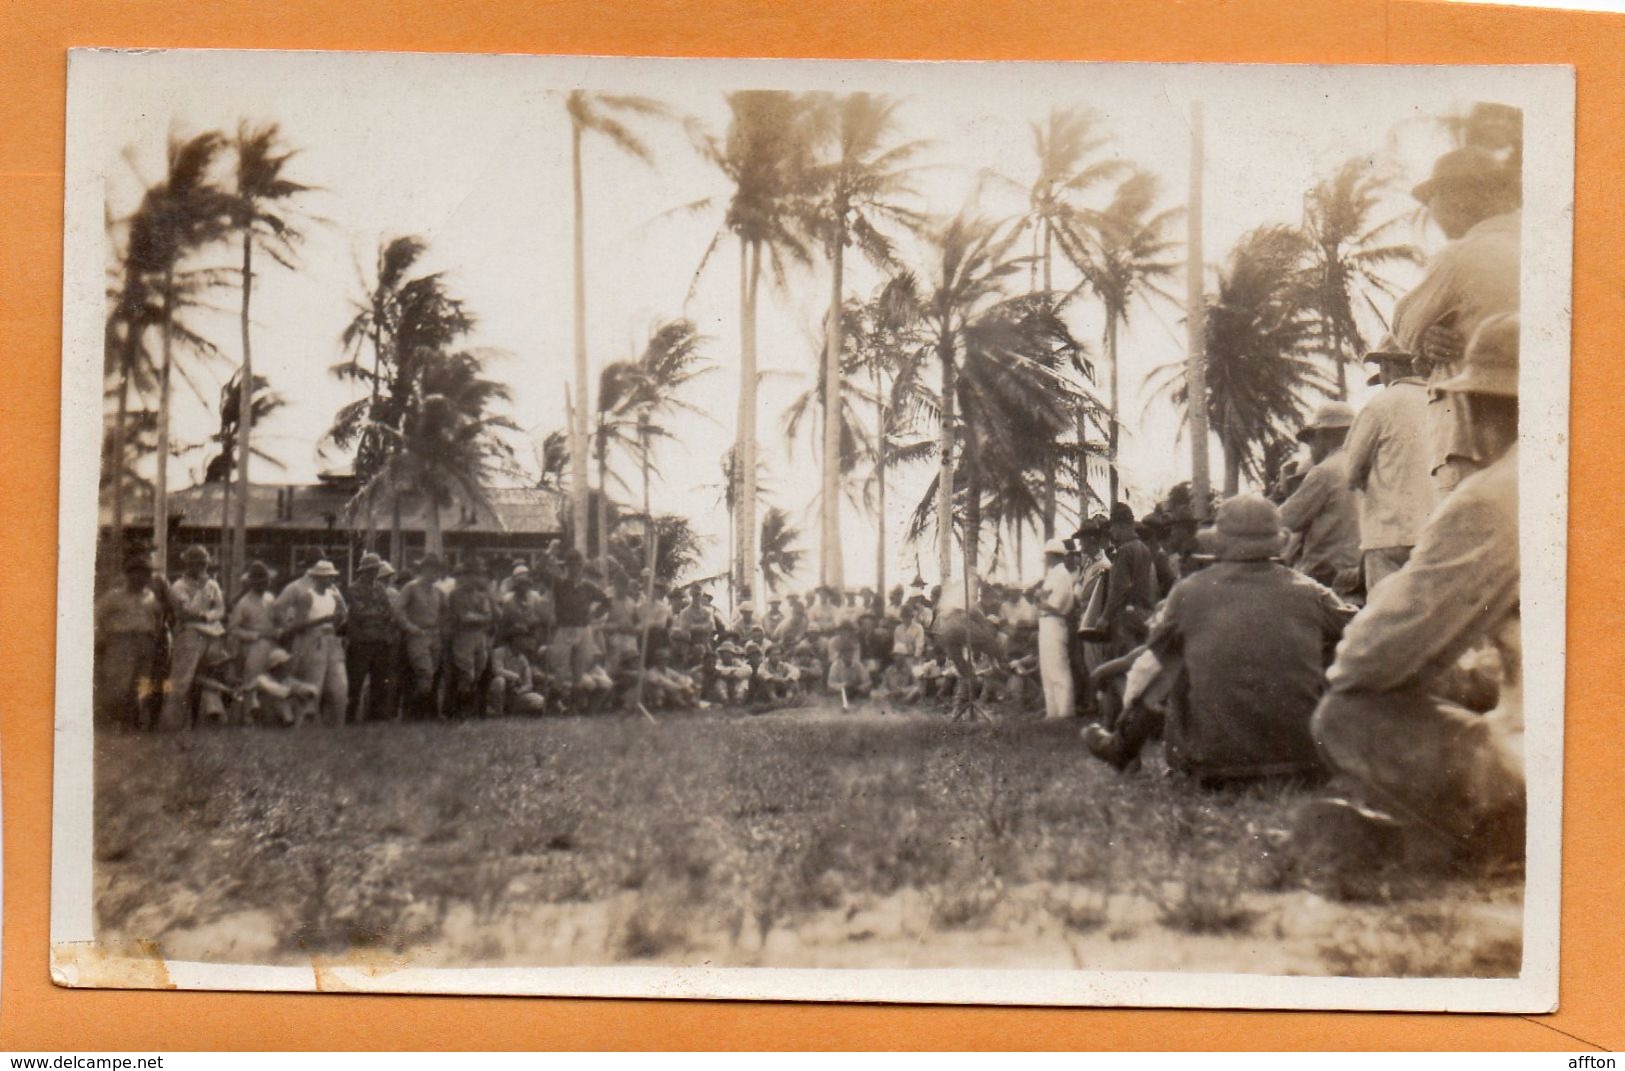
x: 1017, y: 533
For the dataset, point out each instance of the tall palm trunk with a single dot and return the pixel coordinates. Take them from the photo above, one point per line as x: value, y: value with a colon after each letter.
x: 160, y: 483
x: 233, y: 565
x: 971, y: 540
x: 132, y: 343
x: 578, y: 429
x: 395, y: 547
x: 1111, y: 437
x: 226, y: 574
x: 833, y: 571
x: 372, y: 415
x: 750, y: 254
x: 603, y: 501
x: 945, y: 453
x: 880, y: 488
x: 433, y: 540
x: 1232, y: 468
x: 1049, y: 456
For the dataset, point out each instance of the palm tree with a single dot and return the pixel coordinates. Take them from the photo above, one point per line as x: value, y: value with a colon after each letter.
x: 601, y: 114
x: 448, y: 447
x: 891, y: 347
x: 859, y: 188
x: 635, y: 396
x: 1001, y: 361
x: 1347, y: 254
x: 766, y: 156
x: 377, y: 321
x: 1131, y: 258
x: 177, y: 217
x: 412, y: 323
x: 262, y: 218
x: 809, y: 411
x: 1260, y: 330
x: 263, y: 402
x: 780, y: 555
x: 1067, y: 145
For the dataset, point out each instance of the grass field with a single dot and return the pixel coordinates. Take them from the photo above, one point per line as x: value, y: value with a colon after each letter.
x: 801, y: 838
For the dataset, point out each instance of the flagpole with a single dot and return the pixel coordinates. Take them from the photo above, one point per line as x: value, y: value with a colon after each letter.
x: 1195, y: 308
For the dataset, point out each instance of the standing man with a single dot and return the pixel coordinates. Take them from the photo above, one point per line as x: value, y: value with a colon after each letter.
x: 1090, y: 605
x: 1055, y: 603
x: 1321, y: 512
x: 1131, y: 586
x: 1458, y: 781
x: 198, y: 606
x: 251, y: 626
x: 1475, y: 200
x: 309, y: 612
x: 571, y: 652
x: 372, y: 633
x: 423, y: 619
x: 127, y: 624
x: 1387, y: 458
x: 472, y: 615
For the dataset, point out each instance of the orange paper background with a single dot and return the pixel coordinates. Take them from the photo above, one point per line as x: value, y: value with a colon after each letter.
x: 34, y: 35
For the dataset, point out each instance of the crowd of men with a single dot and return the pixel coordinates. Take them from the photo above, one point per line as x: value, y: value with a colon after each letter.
x: 1360, y: 622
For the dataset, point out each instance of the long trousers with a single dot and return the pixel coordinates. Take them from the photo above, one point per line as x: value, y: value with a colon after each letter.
x: 318, y: 659
x: 370, y: 666
x: 1054, y: 666
x: 184, y: 658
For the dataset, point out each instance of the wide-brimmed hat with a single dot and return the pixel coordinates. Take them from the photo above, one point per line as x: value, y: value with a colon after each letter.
x: 1056, y: 546
x: 1385, y: 352
x: 1330, y: 416
x: 323, y: 567
x: 1245, y: 528
x: 196, y: 553
x: 257, y: 570
x: 368, y: 562
x: 385, y: 570
x: 1491, y: 362
x: 1122, y: 513
x: 728, y: 647
x: 1470, y: 166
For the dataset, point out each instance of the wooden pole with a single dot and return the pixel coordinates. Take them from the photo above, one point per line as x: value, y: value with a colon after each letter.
x: 1195, y: 308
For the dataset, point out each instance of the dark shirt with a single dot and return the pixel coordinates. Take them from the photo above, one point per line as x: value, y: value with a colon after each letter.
x: 372, y: 616
x: 573, y: 600
x: 1132, y: 583
x: 1254, y: 637
x: 470, y: 601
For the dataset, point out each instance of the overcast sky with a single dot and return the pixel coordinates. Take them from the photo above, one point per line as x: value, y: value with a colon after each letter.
x: 472, y: 153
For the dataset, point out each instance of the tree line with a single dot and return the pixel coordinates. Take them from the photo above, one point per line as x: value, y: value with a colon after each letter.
x: 961, y: 358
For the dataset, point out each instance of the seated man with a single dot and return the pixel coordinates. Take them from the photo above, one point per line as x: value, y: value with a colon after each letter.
x: 809, y: 667
x: 1402, y: 719
x: 512, y: 689
x: 848, y: 677
x: 665, y: 687
x: 277, y: 697
x: 897, y: 683
x: 1250, y: 637
x: 777, y: 680
x: 733, y: 674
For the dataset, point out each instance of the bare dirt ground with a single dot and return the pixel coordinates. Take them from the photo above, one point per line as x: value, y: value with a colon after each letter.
x: 808, y: 838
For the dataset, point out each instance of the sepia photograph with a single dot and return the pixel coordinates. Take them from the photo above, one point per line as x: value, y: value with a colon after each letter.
x: 1017, y: 533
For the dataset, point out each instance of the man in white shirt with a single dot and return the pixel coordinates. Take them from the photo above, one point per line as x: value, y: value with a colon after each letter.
x: 1387, y: 457
x: 1054, y: 608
